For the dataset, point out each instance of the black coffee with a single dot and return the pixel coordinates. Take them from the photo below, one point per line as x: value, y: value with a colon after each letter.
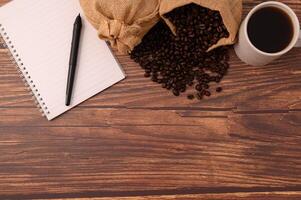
x: 270, y: 29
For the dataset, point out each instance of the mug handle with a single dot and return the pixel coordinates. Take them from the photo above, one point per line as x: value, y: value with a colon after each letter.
x: 298, y: 44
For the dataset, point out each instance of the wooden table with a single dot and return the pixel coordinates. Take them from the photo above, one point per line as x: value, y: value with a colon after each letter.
x: 137, y: 141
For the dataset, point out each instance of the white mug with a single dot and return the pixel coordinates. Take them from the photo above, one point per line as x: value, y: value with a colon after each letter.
x: 251, y: 55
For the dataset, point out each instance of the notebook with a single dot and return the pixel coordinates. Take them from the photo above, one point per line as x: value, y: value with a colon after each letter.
x: 38, y: 34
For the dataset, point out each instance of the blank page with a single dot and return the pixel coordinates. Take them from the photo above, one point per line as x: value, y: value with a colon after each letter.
x: 40, y: 33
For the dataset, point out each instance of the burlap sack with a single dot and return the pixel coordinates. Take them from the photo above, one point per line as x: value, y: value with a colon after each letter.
x: 122, y: 22
x: 230, y: 10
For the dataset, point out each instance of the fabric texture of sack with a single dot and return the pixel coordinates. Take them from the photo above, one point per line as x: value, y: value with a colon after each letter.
x: 122, y: 22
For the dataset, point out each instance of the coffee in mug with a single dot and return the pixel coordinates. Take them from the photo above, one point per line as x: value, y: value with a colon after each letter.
x: 270, y: 30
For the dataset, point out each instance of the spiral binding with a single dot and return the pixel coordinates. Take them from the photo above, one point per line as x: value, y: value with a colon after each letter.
x: 23, y: 73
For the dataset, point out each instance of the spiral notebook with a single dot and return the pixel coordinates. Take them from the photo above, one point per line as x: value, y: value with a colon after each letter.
x: 38, y: 34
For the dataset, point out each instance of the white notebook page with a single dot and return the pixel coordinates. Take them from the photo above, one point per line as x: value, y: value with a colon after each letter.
x: 41, y: 33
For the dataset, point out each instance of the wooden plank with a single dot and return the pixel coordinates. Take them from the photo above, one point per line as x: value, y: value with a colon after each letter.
x: 98, y: 117
x: 235, y: 196
x: 222, y: 196
x: 239, y: 153
x: 2, y: 2
x: 209, y: 119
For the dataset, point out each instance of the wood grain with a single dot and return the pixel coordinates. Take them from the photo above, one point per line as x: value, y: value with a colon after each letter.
x: 235, y: 196
x: 145, y: 159
x: 137, y: 141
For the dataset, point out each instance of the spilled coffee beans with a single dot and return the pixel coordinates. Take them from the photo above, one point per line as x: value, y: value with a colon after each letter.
x: 182, y: 61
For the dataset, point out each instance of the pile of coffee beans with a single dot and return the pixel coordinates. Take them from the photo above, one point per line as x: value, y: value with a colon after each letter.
x: 181, y: 61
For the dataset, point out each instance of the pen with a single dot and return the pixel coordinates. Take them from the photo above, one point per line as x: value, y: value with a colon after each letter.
x: 73, y: 58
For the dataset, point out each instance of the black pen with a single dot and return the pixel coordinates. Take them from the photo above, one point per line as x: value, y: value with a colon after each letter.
x: 73, y: 58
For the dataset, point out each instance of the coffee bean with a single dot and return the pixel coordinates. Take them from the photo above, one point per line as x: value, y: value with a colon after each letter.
x: 175, y: 92
x: 154, y: 79
x: 219, y: 89
x: 183, y: 89
x: 217, y: 79
x: 190, y: 96
x: 190, y: 83
x: 198, y: 87
x: 176, y: 62
x: 199, y: 96
x: 207, y: 93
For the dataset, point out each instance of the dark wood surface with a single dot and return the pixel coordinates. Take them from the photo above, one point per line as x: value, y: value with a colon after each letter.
x: 136, y: 141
